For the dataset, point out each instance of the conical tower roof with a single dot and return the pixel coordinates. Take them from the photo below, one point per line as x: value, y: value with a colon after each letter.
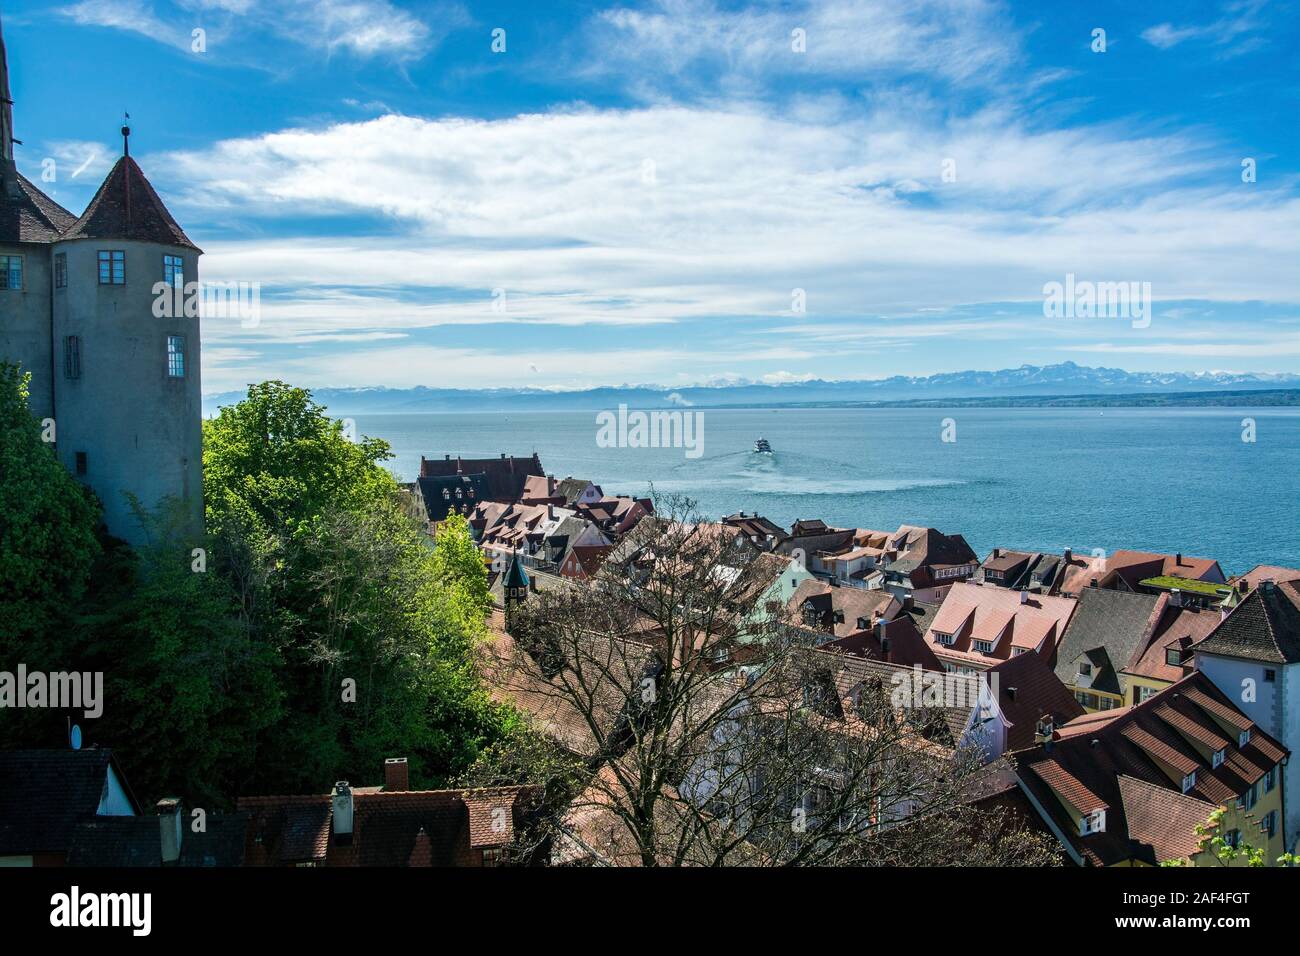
x: 127, y: 207
x: 516, y: 576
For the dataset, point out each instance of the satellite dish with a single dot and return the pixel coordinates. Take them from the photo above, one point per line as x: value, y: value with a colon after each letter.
x: 75, y: 736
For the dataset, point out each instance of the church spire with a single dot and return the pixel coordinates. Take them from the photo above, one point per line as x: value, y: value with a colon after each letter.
x: 6, y: 109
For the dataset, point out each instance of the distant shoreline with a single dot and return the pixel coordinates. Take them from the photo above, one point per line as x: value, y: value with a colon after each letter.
x: 1244, y: 398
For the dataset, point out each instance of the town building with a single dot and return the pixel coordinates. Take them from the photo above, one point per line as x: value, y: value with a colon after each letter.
x: 506, y: 475
x: 1253, y: 657
x: 392, y: 825
x: 1128, y: 787
x: 75, y: 808
x: 979, y: 625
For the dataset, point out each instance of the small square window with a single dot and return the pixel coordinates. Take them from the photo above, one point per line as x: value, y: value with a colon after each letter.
x: 1270, y: 675
x: 1174, y: 656
x: 112, y: 267
x: 11, y: 273
x: 1085, y: 669
x: 175, y: 356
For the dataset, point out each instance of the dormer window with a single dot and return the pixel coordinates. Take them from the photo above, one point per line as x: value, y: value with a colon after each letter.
x: 1085, y: 669
x: 1217, y: 760
x: 984, y: 647
x: 1243, y: 738
x: 1189, y: 781
x: 1173, y: 656
x: 1094, y: 822
x: 943, y: 638
x: 863, y: 624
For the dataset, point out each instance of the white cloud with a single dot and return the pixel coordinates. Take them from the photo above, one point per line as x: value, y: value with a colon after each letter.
x: 365, y: 28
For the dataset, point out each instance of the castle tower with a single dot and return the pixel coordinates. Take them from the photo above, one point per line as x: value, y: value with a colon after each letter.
x: 113, y: 361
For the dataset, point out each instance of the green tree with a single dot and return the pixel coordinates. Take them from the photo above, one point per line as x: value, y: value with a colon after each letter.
x: 373, y: 629
x: 47, y: 529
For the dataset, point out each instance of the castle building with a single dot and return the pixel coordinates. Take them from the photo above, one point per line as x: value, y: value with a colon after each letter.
x: 79, y: 311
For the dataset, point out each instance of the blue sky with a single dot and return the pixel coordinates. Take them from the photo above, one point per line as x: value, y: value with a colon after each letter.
x: 644, y: 186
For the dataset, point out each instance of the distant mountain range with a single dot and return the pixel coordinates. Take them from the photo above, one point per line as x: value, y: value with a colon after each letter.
x: 1063, y: 384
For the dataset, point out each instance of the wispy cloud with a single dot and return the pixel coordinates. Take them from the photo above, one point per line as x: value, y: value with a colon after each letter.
x: 1237, y: 31
x: 366, y: 28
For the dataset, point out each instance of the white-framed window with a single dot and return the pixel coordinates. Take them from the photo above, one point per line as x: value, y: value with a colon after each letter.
x: 1144, y: 693
x: 112, y: 267
x: 942, y: 638
x: 174, y: 271
x: 984, y: 647
x: 1232, y: 838
x: 1243, y: 738
x: 1189, y: 782
x: 11, y: 273
x: 1094, y: 822
x: 175, y: 356
x: 1270, y: 779
x: 1217, y: 759
x: 1085, y: 669
x: 1174, y: 656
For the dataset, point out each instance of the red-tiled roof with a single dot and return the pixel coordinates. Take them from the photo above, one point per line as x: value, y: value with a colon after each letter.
x: 1152, y: 743
x: 398, y: 828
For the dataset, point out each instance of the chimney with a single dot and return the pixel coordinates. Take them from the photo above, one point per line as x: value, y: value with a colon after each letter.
x: 342, y: 805
x: 1068, y: 555
x: 1269, y: 585
x: 997, y: 552
x: 1092, y: 583
x: 446, y: 457
x: 1024, y: 597
x: 1043, y: 731
x: 169, y: 828
x: 1178, y: 559
x: 396, y: 778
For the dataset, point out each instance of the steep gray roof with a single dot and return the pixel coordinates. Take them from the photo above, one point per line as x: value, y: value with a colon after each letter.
x: 1109, y: 622
x: 1264, y: 627
x: 28, y: 215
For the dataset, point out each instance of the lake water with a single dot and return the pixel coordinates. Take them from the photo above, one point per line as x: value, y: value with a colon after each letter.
x: 1045, y: 479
